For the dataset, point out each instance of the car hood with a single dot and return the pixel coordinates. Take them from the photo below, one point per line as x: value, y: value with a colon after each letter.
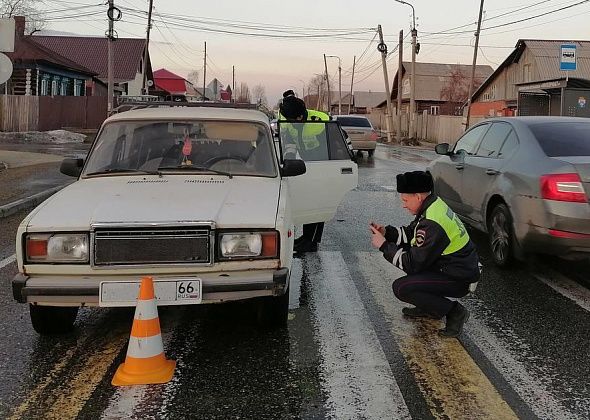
x: 236, y: 202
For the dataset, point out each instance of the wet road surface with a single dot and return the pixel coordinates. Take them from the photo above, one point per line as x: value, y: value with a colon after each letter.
x: 347, y: 351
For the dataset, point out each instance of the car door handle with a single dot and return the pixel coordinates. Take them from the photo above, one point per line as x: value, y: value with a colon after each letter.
x: 459, y: 166
x: 491, y: 171
x: 346, y: 170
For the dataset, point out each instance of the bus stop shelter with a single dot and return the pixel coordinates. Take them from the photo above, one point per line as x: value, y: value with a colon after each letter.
x: 556, y: 97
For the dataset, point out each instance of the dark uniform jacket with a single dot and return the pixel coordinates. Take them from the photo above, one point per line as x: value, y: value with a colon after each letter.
x: 436, y: 240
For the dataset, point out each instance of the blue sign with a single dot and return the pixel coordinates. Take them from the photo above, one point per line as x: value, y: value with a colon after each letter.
x: 567, y: 60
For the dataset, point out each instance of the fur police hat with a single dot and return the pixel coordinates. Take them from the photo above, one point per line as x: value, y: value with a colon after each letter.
x: 292, y: 107
x: 414, y: 182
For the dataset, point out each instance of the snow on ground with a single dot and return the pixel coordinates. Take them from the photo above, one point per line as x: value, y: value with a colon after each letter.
x: 55, y: 136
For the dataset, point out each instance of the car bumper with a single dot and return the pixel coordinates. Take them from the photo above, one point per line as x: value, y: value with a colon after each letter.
x: 83, y: 291
x: 363, y: 145
x: 538, y: 240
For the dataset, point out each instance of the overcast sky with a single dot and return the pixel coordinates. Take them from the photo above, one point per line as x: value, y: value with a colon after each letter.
x: 279, y: 63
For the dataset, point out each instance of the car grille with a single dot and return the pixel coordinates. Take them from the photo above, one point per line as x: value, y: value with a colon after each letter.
x: 151, y: 246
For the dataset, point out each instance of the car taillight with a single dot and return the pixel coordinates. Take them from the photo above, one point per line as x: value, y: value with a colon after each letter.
x: 563, y: 187
x: 374, y: 136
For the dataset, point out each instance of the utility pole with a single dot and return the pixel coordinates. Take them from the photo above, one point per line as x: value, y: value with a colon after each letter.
x: 412, y: 133
x: 351, y: 84
x: 147, y: 43
x: 328, y: 84
x: 110, y: 64
x: 470, y: 89
x: 382, y: 48
x: 400, y: 67
x: 339, y: 87
x: 204, y: 70
x: 233, y: 83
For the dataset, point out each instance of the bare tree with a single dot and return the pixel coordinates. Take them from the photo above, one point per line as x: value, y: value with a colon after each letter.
x: 317, y: 89
x: 259, y: 95
x: 456, y: 90
x: 243, y: 94
x: 193, y: 77
x: 27, y: 8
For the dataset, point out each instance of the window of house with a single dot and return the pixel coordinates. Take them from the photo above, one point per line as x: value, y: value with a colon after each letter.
x: 45, y: 86
x: 54, y: 87
x: 435, y: 110
x: 493, y: 92
x: 77, y: 88
x: 63, y: 91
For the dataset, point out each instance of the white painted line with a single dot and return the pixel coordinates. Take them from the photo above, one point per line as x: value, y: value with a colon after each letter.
x: 357, y: 377
x: 7, y: 261
x: 566, y: 287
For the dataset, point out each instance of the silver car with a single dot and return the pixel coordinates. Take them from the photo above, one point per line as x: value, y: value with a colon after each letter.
x: 360, y: 132
x: 523, y: 180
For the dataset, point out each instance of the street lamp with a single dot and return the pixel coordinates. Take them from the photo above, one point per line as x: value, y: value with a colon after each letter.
x: 413, y: 76
x: 339, y: 83
x: 302, y: 89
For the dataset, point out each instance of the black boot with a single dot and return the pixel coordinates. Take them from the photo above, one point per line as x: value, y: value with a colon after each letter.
x: 456, y: 318
x: 417, y: 313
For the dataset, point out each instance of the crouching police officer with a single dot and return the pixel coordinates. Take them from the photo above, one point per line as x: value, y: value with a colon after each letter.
x: 304, y: 140
x: 434, y: 250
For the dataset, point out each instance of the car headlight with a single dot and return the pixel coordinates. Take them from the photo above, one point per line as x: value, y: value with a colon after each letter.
x: 59, y: 247
x: 248, y: 245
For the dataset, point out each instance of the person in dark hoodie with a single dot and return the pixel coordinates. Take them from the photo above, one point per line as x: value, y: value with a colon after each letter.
x: 434, y: 250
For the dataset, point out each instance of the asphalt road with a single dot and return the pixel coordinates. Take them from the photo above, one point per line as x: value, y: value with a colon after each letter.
x: 346, y: 353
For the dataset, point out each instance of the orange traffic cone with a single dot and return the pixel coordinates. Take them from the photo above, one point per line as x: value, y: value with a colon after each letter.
x: 145, y: 362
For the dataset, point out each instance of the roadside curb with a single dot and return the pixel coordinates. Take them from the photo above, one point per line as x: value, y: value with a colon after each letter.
x: 27, y: 202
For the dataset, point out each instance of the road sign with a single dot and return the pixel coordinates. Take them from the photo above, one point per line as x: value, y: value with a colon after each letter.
x: 5, y: 68
x: 7, y: 35
x: 568, y: 57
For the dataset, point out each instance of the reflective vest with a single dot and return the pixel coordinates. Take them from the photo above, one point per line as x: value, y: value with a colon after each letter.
x: 442, y: 214
x: 310, y: 131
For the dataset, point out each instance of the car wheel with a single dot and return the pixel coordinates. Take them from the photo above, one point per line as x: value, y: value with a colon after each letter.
x: 273, y: 311
x: 371, y: 152
x: 500, y: 235
x: 48, y: 320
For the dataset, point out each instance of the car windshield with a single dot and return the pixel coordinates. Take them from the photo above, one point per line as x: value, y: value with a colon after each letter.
x: 220, y: 147
x: 563, y: 138
x: 354, y: 122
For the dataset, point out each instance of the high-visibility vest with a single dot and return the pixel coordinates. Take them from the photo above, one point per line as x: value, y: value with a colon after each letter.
x: 442, y: 214
x: 310, y: 131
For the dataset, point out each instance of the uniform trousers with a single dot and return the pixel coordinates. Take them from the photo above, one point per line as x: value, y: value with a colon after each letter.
x: 429, y: 291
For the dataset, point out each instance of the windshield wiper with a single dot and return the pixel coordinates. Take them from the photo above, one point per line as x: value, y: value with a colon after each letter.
x: 123, y: 170
x: 196, y: 168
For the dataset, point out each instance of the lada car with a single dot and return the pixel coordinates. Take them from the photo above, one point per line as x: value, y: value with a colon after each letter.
x: 200, y: 198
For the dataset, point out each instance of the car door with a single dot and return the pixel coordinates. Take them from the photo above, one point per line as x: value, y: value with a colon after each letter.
x: 330, y: 172
x: 448, y: 170
x: 482, y: 169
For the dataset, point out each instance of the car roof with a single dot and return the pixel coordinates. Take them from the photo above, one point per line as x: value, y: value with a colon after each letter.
x: 538, y: 120
x: 191, y: 113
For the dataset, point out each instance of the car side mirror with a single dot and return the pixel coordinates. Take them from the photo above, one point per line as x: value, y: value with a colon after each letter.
x: 72, y: 167
x: 442, y: 149
x: 293, y: 167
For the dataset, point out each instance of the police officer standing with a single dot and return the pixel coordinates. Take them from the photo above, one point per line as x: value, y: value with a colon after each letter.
x: 293, y: 109
x: 434, y: 250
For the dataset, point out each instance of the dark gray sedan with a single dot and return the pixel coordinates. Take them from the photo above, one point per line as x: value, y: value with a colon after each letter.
x: 523, y: 180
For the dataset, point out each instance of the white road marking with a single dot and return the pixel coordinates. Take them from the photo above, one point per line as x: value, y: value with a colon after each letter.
x: 7, y: 261
x: 502, y: 347
x: 357, y: 377
x: 566, y: 287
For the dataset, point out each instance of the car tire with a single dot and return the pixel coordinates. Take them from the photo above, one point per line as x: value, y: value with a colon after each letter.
x: 50, y: 320
x: 273, y: 311
x: 501, y: 235
x: 371, y: 152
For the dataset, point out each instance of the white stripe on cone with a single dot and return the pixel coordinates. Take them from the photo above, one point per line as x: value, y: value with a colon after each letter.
x: 142, y: 348
x: 146, y: 309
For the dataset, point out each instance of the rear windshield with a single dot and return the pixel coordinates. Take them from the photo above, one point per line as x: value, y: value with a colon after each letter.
x: 563, y: 138
x: 354, y: 122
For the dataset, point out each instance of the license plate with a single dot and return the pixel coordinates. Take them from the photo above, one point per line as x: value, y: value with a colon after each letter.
x: 183, y: 291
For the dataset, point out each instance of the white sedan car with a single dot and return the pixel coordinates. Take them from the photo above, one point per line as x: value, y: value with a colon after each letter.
x: 196, y: 197
x: 362, y: 135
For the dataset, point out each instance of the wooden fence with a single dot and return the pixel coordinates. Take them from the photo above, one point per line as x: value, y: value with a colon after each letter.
x: 43, y: 113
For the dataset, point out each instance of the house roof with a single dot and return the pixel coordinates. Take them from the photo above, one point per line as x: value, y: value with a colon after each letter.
x: 368, y: 99
x: 26, y: 50
x: 546, y: 55
x: 173, y: 83
x: 92, y: 53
